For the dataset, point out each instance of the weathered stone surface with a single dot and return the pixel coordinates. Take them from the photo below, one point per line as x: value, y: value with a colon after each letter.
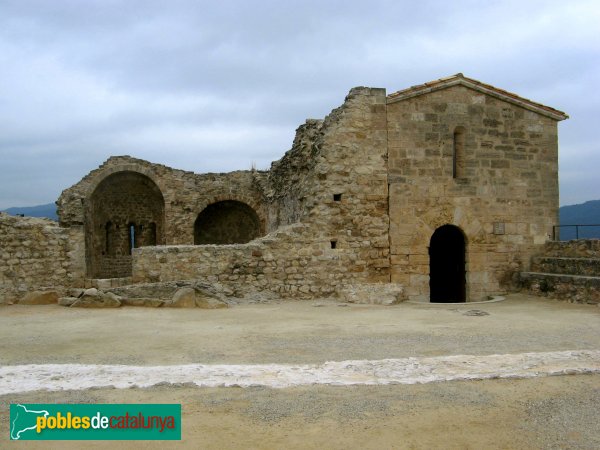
x: 40, y: 298
x: 582, y: 248
x: 488, y: 184
x: 75, y: 292
x: 38, y: 255
x: 373, y: 293
x: 356, y: 200
x: 566, y: 270
x: 67, y: 301
x: 209, y: 302
x: 572, y: 266
x: 150, y: 302
x: 93, y: 298
x: 201, y: 295
x: 183, y: 298
x: 166, y: 290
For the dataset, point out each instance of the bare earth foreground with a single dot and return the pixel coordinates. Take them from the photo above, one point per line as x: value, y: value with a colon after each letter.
x: 536, y: 412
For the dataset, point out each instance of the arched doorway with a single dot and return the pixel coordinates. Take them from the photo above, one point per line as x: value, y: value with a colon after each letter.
x: 226, y: 222
x: 125, y: 211
x: 447, y: 273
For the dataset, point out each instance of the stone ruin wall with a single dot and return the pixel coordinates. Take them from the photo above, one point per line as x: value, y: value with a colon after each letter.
x: 581, y: 248
x: 323, y: 208
x: 509, y: 176
x: 38, y: 254
x: 329, y: 195
x: 186, y: 194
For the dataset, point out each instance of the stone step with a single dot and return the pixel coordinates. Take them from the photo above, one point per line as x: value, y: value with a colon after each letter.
x: 571, y: 266
x: 574, y: 288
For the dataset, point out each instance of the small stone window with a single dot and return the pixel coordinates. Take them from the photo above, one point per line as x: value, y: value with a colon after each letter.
x: 337, y: 197
x: 458, y: 153
x: 334, y: 244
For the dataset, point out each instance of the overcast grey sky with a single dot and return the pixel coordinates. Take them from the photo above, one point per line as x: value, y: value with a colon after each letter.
x: 216, y: 86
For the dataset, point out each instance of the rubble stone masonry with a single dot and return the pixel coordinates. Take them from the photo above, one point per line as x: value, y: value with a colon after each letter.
x: 38, y: 254
x: 357, y: 200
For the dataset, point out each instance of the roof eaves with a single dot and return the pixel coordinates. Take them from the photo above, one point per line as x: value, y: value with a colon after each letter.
x: 460, y: 79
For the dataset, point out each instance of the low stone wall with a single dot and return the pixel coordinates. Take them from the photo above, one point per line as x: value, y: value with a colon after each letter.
x: 589, y: 267
x: 582, y: 248
x: 568, y: 270
x: 37, y: 254
x: 571, y: 288
x: 286, y: 262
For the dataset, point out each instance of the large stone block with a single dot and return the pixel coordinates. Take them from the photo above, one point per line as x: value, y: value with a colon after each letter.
x: 40, y: 298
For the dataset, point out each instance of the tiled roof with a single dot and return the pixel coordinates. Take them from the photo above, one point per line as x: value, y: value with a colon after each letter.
x: 460, y: 79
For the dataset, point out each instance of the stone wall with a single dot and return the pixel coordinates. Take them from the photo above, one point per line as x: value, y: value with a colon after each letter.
x: 332, y: 187
x: 227, y: 222
x: 566, y: 270
x: 37, y: 254
x: 185, y: 194
x: 163, y: 203
x: 288, y: 262
x: 333, y: 180
x: 582, y: 248
x: 291, y: 180
x: 364, y: 191
x: 501, y: 191
x: 126, y: 210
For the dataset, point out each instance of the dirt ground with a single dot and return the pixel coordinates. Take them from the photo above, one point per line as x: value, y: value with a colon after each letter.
x: 543, y: 412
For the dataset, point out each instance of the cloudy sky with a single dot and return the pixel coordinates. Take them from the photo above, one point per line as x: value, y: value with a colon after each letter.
x: 218, y: 86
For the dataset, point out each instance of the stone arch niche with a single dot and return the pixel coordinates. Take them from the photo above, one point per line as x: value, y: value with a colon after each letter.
x: 125, y: 211
x: 227, y: 222
x: 447, y: 265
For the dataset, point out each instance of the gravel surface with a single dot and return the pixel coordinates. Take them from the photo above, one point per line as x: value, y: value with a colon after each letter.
x: 291, y: 332
x: 544, y: 412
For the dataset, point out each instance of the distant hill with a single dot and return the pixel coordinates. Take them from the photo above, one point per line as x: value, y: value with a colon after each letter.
x: 48, y: 211
x: 585, y: 213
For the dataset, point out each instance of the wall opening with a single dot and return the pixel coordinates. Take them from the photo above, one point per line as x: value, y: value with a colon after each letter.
x: 447, y: 270
x: 458, y: 153
x: 227, y: 222
x: 125, y: 211
x: 131, y: 237
x: 337, y: 197
x: 333, y: 244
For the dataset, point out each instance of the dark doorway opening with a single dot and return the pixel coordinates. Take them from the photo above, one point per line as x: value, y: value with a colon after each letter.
x: 447, y: 274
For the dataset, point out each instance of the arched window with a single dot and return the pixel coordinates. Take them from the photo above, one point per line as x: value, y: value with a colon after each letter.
x: 458, y: 153
x: 132, y: 237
